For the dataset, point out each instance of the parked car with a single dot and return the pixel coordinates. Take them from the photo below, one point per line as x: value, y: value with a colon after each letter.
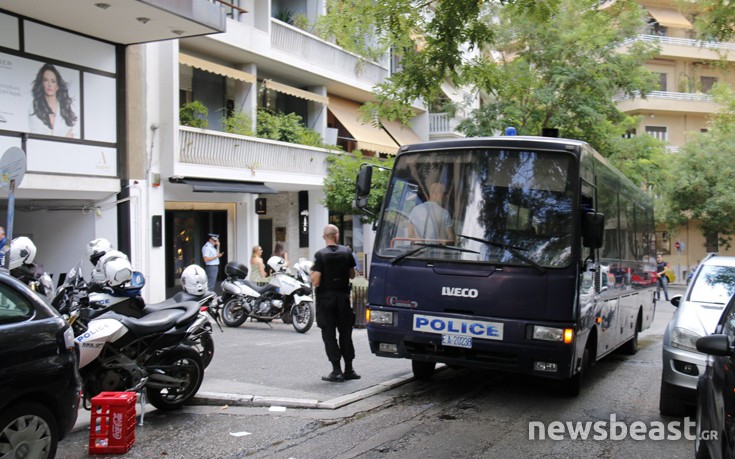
x: 39, y: 380
x: 697, y: 314
x: 716, y: 391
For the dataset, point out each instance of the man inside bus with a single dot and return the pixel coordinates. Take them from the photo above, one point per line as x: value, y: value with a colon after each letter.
x: 430, y: 220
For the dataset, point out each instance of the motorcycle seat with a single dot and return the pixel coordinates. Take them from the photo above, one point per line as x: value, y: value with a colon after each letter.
x: 154, y: 322
x: 182, y: 296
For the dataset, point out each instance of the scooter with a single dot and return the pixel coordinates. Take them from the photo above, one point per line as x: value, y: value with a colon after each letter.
x: 287, y: 296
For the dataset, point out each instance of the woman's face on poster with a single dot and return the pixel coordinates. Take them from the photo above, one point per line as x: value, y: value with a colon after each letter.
x: 50, y: 85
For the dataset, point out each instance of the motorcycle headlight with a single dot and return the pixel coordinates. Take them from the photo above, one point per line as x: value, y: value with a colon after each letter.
x: 682, y: 338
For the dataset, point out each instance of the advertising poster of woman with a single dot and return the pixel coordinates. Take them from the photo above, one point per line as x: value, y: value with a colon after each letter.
x: 52, y: 112
x: 38, y: 97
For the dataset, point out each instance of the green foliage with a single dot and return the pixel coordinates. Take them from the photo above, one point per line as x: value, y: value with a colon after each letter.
x: 239, y: 123
x: 704, y: 172
x: 193, y: 114
x: 339, y: 184
x: 715, y: 19
x: 284, y: 15
x: 287, y: 127
x: 563, y: 70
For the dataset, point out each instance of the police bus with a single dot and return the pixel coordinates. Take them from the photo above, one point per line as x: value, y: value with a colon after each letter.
x: 523, y: 254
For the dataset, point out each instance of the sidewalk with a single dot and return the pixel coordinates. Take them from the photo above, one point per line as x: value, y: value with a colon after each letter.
x: 284, y: 368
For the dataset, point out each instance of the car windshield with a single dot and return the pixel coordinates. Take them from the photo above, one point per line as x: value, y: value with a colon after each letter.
x: 714, y: 284
x: 480, y: 205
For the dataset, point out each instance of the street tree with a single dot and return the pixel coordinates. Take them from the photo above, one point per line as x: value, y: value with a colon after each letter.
x: 548, y: 64
x: 704, y: 171
x: 715, y: 19
x: 339, y: 184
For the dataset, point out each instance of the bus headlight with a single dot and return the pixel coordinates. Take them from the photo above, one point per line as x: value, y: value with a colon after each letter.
x: 381, y: 317
x: 563, y: 335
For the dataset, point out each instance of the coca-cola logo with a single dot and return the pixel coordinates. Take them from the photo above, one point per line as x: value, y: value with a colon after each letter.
x: 117, y: 420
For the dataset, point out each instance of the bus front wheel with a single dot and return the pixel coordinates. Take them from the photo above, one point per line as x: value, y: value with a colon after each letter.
x: 422, y: 370
x: 573, y: 385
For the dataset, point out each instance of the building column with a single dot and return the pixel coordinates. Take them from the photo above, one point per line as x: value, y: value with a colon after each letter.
x: 246, y: 95
x: 318, y: 219
x: 317, y: 112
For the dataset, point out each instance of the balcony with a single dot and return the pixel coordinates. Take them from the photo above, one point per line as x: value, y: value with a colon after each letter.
x: 668, y: 101
x: 443, y: 126
x: 263, y: 157
x: 687, y: 48
x: 313, y: 50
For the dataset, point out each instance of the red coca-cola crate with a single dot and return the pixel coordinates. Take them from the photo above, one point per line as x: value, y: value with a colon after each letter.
x: 112, y: 425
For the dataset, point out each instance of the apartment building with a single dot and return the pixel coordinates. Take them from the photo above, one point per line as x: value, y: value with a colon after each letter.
x: 155, y: 187
x: 687, y: 69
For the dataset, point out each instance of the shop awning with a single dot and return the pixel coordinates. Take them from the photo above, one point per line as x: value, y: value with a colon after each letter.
x: 218, y: 69
x: 223, y: 186
x: 669, y: 17
x: 296, y: 92
x: 368, y: 137
x: 403, y: 135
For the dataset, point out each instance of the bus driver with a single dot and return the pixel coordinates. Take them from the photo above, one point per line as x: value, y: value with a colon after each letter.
x: 430, y: 220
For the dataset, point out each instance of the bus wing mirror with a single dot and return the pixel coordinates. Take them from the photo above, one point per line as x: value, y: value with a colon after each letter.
x: 593, y: 229
x: 362, y: 185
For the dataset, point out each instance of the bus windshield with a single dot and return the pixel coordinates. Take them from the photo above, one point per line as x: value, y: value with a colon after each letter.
x: 493, y: 206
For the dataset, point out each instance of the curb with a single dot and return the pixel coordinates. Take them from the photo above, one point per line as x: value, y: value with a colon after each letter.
x: 222, y: 398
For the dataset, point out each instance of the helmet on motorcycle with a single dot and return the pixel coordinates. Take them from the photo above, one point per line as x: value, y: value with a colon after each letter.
x: 277, y: 264
x: 22, y: 251
x: 97, y: 248
x: 194, y: 280
x: 116, y: 268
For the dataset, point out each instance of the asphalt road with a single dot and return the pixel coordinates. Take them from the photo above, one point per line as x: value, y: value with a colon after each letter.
x: 458, y: 414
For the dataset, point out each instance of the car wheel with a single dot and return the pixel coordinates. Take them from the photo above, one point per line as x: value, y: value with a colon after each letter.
x: 28, y: 430
x: 669, y: 404
x: 631, y: 346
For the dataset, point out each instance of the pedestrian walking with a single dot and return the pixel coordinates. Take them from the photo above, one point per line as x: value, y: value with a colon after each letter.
x: 333, y: 268
x: 662, y: 273
x: 211, y: 255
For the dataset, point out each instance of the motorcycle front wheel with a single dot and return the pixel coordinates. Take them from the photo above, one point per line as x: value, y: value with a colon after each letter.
x: 182, y: 364
x: 233, y: 313
x: 302, y: 316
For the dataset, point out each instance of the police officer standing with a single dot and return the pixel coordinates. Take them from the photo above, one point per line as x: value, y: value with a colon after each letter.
x: 333, y: 268
x: 211, y: 255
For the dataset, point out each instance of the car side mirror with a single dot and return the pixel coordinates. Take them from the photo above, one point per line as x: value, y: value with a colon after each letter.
x: 714, y: 345
x: 593, y: 229
x: 362, y: 185
x: 675, y: 300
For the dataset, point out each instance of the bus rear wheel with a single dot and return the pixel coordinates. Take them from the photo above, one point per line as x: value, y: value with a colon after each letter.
x: 422, y: 370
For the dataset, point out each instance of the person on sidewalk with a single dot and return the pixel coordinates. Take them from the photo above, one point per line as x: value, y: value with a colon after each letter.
x: 333, y: 268
x: 211, y: 255
x: 662, y: 279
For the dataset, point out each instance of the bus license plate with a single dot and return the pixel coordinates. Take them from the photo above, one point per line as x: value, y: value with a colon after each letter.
x: 457, y: 341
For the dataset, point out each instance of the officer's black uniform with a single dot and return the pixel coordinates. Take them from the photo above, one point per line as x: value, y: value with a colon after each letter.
x: 333, y: 308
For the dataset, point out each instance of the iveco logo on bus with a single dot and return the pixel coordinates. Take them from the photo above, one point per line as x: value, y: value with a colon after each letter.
x: 461, y: 292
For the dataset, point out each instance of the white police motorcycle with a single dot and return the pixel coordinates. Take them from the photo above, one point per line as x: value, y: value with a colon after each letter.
x: 287, y: 296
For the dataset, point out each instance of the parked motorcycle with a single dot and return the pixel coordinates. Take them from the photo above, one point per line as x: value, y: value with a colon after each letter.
x: 122, y: 353
x: 95, y: 299
x: 287, y: 296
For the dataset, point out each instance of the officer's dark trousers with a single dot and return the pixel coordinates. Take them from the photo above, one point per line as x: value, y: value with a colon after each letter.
x: 334, y: 314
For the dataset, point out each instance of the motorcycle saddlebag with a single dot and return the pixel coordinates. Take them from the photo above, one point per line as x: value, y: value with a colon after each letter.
x: 236, y: 269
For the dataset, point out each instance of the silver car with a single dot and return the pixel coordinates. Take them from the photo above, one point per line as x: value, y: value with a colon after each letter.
x: 697, y: 314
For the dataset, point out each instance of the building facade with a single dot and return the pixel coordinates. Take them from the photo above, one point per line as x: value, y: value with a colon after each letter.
x: 687, y: 68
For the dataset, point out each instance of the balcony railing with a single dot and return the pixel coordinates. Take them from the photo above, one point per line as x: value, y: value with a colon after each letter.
x: 443, y: 125
x: 669, y: 95
x: 212, y: 148
x: 315, y: 51
x: 681, y: 42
